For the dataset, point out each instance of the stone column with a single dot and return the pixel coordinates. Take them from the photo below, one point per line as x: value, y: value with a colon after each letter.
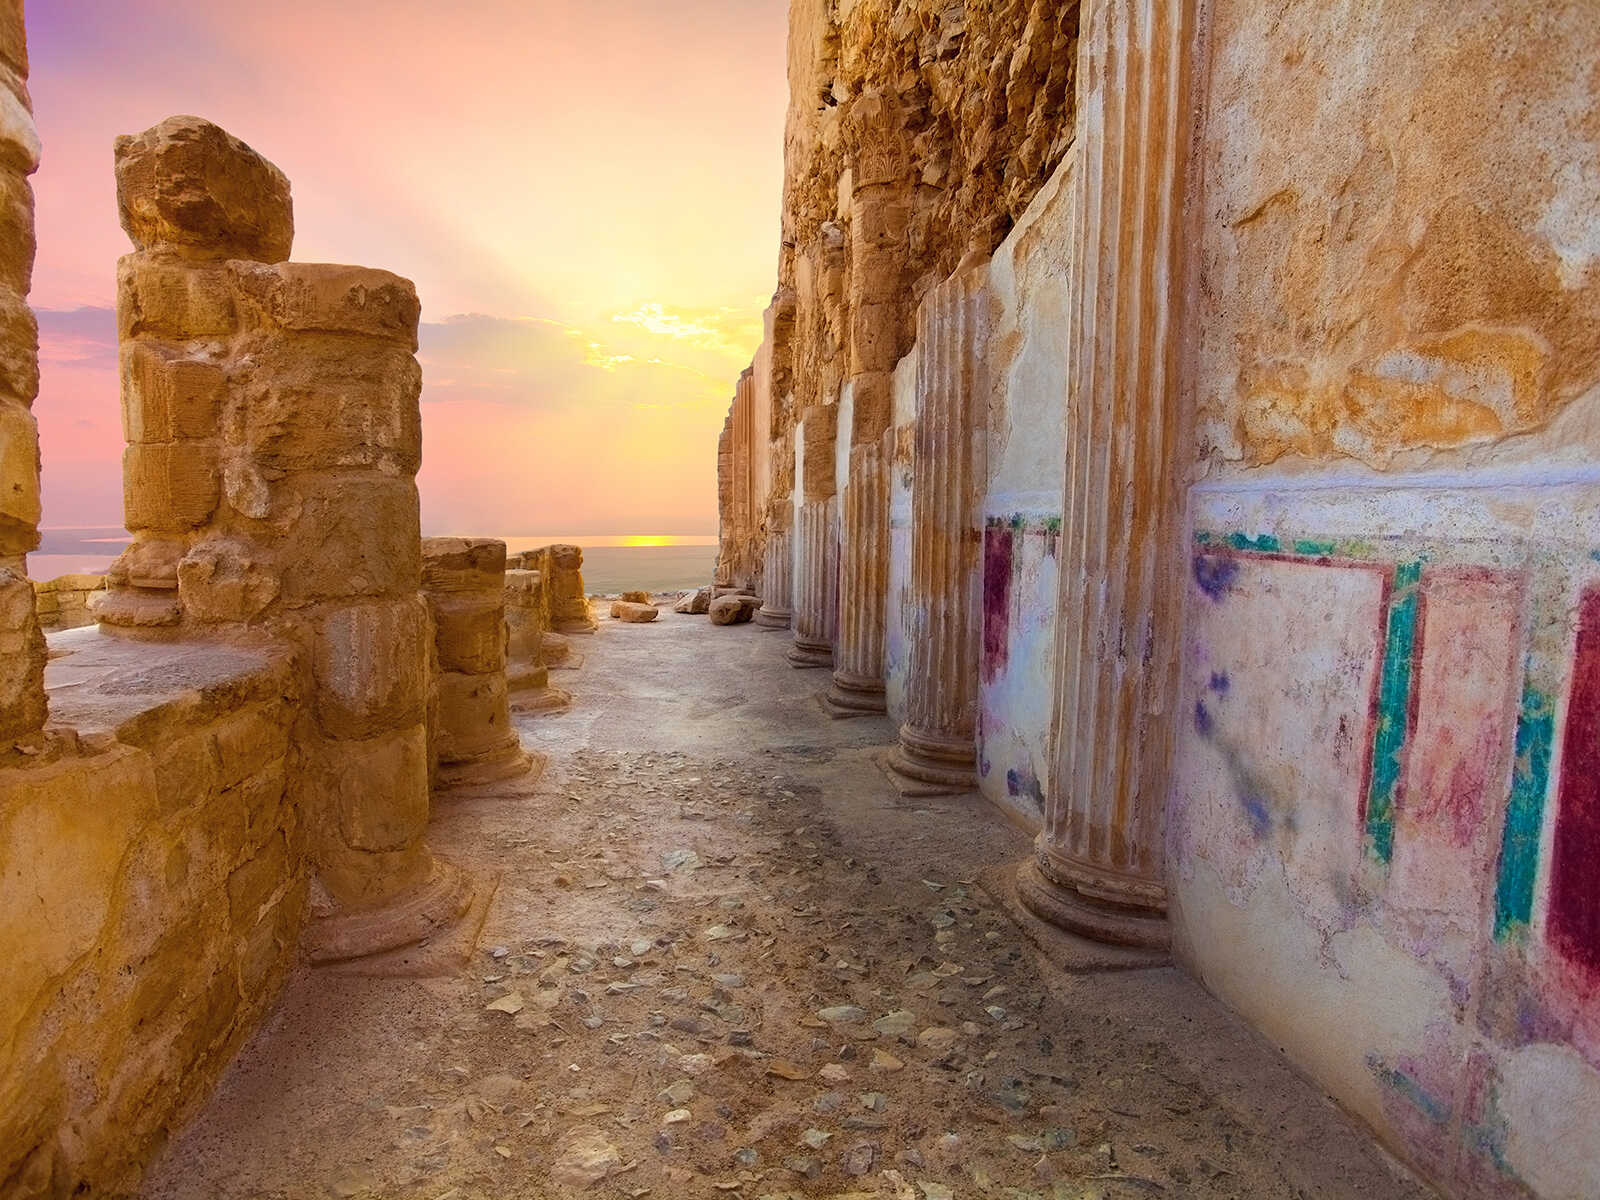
x: 525, y: 662
x: 816, y: 614
x: 777, y: 575
x: 863, y: 586
x: 944, y: 615
x: 569, y: 603
x: 816, y: 560
x: 879, y: 218
x: 22, y: 645
x: 271, y: 410
x: 1098, y: 866
x: 472, y: 739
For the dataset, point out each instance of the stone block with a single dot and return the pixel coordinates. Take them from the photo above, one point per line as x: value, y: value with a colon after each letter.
x: 323, y: 402
x: 249, y: 742
x: 17, y: 242
x: 167, y: 395
x: 225, y: 580
x: 469, y: 632
x: 13, y: 41
x: 19, y: 136
x: 169, y: 298
x: 22, y: 659
x: 64, y: 830
x: 632, y: 613
x: 256, y: 881
x: 150, y: 562
x: 731, y: 610
x: 636, y: 597
x: 192, y: 187
x: 370, y: 663
x: 474, y: 718
x: 19, y: 470
x: 454, y: 564
x: 378, y: 788
x: 170, y: 487
x: 875, y: 337
x: 327, y: 298
x: 350, y: 534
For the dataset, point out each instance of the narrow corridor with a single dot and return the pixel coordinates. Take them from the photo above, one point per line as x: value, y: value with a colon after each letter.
x: 726, y: 957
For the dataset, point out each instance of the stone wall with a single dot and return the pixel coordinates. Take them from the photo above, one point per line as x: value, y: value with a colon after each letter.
x: 22, y: 703
x: 1383, y: 822
x: 918, y: 131
x: 153, y: 884
x: 1290, y: 644
x: 63, y: 602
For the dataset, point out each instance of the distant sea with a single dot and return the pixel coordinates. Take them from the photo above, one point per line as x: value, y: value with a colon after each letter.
x: 611, y: 563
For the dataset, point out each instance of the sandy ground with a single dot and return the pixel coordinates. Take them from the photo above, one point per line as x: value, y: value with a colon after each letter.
x: 726, y: 958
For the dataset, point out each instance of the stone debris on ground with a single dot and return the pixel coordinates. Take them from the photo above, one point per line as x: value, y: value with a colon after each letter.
x: 693, y: 981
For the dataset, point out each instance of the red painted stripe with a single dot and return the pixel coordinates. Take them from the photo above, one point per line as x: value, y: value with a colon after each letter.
x: 1574, y: 917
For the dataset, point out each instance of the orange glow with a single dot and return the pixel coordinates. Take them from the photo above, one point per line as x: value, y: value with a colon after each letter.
x: 596, y: 186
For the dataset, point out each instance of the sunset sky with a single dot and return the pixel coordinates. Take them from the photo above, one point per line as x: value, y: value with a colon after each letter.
x: 586, y: 193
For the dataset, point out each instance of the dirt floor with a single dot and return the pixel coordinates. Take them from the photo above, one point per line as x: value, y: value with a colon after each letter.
x: 726, y: 958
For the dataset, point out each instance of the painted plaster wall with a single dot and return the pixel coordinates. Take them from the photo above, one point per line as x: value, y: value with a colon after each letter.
x: 1028, y: 279
x: 1384, y: 827
x: 897, y: 649
x: 152, y: 891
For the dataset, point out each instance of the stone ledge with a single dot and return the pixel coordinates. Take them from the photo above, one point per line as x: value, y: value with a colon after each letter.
x: 139, y: 691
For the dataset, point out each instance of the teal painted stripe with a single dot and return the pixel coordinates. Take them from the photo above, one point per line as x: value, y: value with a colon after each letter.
x: 1519, y: 842
x: 1394, y: 707
x: 1314, y: 548
x: 1266, y: 543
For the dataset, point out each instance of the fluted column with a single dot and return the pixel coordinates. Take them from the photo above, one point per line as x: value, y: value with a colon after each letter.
x: 816, y: 532
x: 816, y: 610
x: 863, y: 586
x: 777, y: 575
x: 1098, y: 866
x: 938, y: 741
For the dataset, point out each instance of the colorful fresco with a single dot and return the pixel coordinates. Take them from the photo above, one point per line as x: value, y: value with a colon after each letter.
x: 1404, y: 735
x: 1020, y: 581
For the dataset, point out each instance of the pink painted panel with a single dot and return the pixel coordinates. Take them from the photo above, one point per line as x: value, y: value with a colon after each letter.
x: 1450, y: 806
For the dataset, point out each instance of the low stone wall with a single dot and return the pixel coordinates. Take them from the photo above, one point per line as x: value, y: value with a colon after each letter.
x: 152, y: 891
x: 63, y: 602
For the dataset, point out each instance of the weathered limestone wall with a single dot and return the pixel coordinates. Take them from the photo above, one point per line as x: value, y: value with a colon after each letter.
x: 153, y: 885
x: 1382, y: 838
x: 917, y: 131
x: 63, y: 602
x: 22, y: 653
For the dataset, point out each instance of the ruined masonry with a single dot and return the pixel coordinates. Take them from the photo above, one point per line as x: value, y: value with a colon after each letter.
x: 1193, y: 452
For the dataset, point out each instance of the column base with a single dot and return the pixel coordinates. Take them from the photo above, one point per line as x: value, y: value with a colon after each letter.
x: 855, y: 695
x: 936, y: 765
x: 409, y: 920
x: 505, y: 761
x: 804, y: 655
x: 1063, y: 905
x: 773, y: 618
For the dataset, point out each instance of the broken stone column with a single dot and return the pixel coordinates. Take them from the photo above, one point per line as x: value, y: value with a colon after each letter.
x: 271, y: 411
x: 525, y: 622
x: 22, y: 645
x: 816, y: 560
x: 569, y: 603
x: 858, y: 672
x: 777, y: 574
x: 944, y: 613
x: 1098, y: 867
x: 473, y: 740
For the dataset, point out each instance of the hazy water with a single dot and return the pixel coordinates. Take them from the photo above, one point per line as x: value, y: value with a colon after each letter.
x: 607, y: 566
